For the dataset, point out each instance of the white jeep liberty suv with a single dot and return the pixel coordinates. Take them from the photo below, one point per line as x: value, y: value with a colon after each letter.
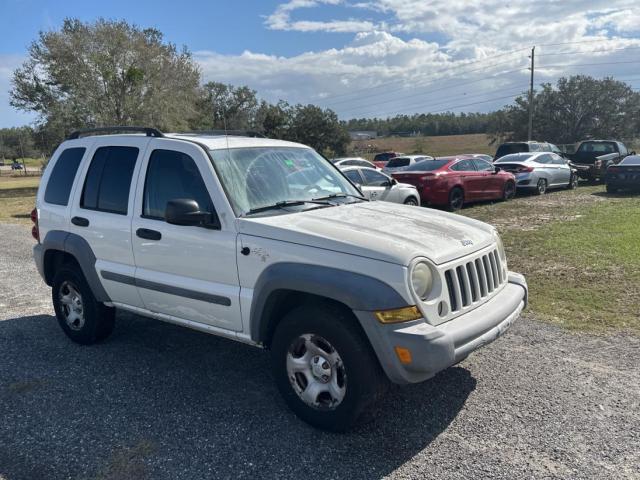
x: 266, y: 242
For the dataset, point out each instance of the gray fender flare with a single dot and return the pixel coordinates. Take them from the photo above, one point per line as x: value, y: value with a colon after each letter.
x: 356, y: 291
x: 79, y: 248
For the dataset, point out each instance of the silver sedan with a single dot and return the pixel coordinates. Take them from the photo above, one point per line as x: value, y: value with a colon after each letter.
x: 539, y: 171
x: 376, y: 185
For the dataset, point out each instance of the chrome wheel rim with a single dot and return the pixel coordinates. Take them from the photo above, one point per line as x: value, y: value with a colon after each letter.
x: 316, y: 372
x: 411, y: 202
x: 72, y: 305
x: 542, y: 186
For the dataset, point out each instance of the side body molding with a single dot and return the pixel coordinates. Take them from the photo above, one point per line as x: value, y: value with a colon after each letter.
x: 357, y: 291
x: 78, y: 247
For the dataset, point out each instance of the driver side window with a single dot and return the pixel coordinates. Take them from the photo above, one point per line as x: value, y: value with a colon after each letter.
x: 172, y: 175
x: 373, y: 178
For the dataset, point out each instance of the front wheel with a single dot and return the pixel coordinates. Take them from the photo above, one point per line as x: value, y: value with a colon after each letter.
x: 541, y: 187
x: 324, y: 367
x: 509, y: 191
x: 573, y: 182
x: 411, y: 201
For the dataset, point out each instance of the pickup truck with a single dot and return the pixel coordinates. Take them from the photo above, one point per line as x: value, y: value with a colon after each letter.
x: 593, y: 157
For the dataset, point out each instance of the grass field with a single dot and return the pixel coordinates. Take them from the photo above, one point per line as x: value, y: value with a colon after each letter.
x: 580, y: 250
x: 434, y: 146
x: 17, y: 198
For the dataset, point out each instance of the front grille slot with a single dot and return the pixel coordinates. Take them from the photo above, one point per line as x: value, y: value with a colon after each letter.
x: 474, y: 280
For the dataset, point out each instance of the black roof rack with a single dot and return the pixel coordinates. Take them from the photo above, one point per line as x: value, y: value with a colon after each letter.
x: 150, y: 132
x: 235, y: 133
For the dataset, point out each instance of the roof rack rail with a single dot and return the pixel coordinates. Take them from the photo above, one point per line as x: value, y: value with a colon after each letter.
x: 150, y: 132
x: 236, y: 133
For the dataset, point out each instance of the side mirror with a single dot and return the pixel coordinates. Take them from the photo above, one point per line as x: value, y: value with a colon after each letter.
x: 186, y: 212
x: 394, y: 181
x: 632, y: 152
x: 496, y: 169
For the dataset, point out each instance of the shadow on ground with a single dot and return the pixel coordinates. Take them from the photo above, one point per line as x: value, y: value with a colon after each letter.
x: 159, y: 401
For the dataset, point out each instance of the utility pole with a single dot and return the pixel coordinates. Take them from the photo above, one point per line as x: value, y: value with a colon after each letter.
x: 533, y: 51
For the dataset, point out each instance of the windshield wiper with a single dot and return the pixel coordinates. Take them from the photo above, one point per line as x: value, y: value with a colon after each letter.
x: 287, y: 203
x: 341, y: 195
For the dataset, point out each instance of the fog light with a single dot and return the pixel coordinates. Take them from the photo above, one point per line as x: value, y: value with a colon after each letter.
x: 398, y: 315
x: 404, y: 354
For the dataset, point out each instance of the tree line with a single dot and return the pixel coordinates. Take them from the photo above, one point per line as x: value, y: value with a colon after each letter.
x: 114, y: 73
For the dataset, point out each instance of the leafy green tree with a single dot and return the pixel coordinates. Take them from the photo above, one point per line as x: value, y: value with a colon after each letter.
x: 17, y: 142
x: 274, y: 121
x: 221, y: 105
x: 575, y: 108
x: 106, y: 73
x: 318, y: 128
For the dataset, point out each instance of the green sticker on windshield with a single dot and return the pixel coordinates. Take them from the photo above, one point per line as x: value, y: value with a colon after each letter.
x: 288, y: 162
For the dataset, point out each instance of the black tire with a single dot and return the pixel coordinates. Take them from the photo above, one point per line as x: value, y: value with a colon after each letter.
x: 363, y: 379
x: 412, y: 201
x: 541, y: 187
x: 508, y: 191
x: 97, y: 320
x: 456, y: 199
x: 573, y: 182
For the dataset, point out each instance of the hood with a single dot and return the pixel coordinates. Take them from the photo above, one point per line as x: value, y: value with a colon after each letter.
x: 380, y: 230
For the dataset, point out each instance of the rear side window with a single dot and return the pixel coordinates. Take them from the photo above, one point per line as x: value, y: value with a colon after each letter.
x: 62, y: 176
x: 464, y: 166
x: 172, y: 175
x: 108, y: 181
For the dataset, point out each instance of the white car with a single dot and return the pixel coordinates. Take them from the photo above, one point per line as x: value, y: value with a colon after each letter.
x: 265, y: 242
x: 353, y: 162
x: 396, y: 164
x: 378, y: 186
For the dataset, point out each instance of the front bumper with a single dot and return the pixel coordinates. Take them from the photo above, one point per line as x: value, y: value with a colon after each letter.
x: 435, y: 348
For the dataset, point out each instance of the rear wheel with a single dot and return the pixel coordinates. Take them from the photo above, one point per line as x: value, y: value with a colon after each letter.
x: 541, y: 187
x: 456, y: 199
x: 509, y: 191
x: 324, y: 367
x: 82, y: 318
x: 573, y: 182
x: 412, y: 201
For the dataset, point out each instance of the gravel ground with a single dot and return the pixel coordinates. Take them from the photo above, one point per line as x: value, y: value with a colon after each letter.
x: 159, y: 401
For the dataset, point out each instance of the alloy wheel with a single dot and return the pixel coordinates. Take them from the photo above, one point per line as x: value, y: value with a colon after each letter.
x: 72, y: 306
x: 316, y: 372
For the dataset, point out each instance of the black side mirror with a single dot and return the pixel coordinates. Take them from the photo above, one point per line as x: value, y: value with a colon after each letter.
x: 186, y: 212
x: 496, y: 169
x: 632, y: 153
x: 394, y: 181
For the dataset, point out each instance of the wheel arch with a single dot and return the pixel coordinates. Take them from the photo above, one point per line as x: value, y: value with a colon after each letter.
x: 284, y: 286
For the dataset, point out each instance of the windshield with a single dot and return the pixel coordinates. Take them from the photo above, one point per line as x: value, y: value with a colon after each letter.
x: 516, y: 157
x: 398, y: 162
x: 597, y: 147
x: 259, y: 177
x: 426, y: 165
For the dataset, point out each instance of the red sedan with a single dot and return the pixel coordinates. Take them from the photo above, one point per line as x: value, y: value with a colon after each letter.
x: 454, y: 181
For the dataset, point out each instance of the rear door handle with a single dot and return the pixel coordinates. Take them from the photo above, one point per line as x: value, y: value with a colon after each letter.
x: 80, y: 221
x: 148, y: 234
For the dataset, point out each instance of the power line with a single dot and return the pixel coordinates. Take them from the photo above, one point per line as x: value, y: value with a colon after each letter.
x: 570, y: 65
x: 582, y: 52
x: 446, y: 69
x: 448, y: 87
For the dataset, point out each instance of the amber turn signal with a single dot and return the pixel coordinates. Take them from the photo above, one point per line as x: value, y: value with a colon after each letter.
x: 398, y: 315
x: 404, y: 355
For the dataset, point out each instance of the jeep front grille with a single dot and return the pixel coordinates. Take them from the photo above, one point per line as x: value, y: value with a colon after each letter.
x: 474, y: 280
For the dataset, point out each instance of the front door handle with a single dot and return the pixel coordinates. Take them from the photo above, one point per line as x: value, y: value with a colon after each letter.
x: 148, y: 234
x: 80, y: 221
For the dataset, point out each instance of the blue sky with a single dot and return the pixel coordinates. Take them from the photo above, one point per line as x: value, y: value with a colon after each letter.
x: 363, y: 58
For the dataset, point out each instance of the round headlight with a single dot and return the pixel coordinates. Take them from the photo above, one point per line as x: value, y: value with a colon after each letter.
x: 421, y: 280
x: 503, y: 255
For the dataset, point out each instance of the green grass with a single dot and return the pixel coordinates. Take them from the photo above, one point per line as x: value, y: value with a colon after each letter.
x: 580, y: 252
x: 17, y: 198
